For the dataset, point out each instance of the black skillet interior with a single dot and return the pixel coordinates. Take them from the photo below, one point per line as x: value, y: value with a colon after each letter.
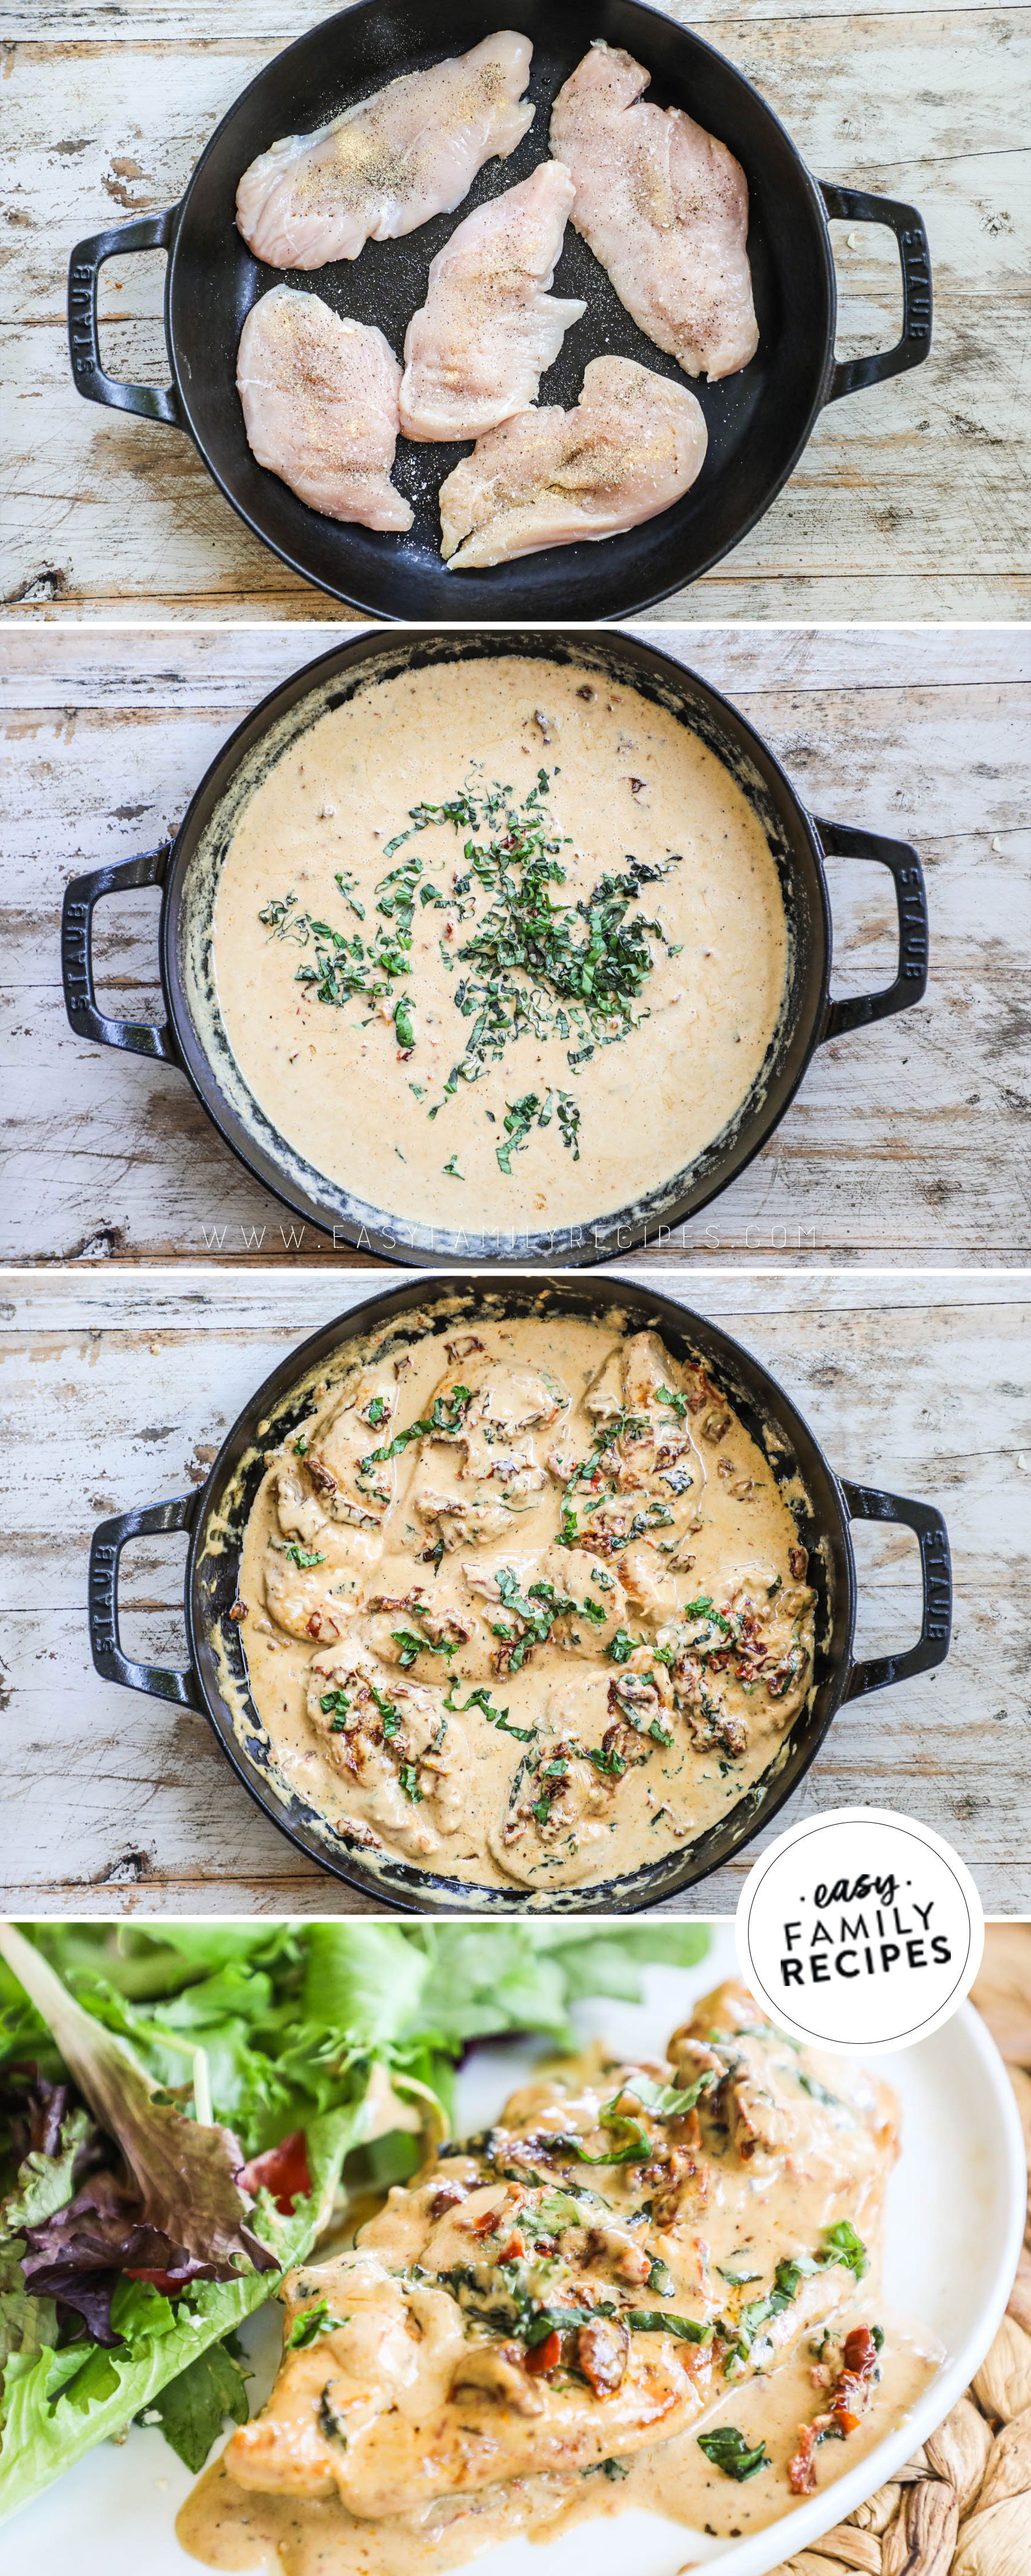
x: 630, y: 660
x: 407, y: 1312
x: 758, y: 420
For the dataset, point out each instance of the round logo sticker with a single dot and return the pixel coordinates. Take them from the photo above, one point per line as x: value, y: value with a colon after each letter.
x: 860, y: 1929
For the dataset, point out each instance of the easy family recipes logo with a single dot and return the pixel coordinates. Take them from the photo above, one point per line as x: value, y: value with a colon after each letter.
x: 860, y: 1929
x: 891, y: 1926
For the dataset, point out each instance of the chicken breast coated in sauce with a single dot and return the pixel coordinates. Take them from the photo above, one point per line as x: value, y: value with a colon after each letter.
x: 524, y: 1603
x: 578, y: 2284
x: 387, y: 164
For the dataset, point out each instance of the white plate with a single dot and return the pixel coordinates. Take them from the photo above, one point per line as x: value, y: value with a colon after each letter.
x: 955, y: 2221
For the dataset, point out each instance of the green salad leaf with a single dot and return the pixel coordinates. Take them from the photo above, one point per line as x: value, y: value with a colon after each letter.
x: 58, y: 2404
x: 185, y: 2169
x: 192, y: 2409
x: 342, y: 2037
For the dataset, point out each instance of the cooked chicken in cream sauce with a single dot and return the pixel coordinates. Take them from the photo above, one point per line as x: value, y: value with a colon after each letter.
x: 523, y: 1604
x: 559, y: 2317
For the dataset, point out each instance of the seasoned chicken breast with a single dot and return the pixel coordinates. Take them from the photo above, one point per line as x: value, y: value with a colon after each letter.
x: 582, y: 2280
x: 633, y: 445
x: 319, y: 397
x: 410, y: 151
x: 664, y: 206
x: 476, y: 350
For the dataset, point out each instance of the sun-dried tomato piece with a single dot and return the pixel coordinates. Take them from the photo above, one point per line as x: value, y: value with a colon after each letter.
x: 283, y: 2171
x: 450, y: 2196
x: 483, y: 2224
x: 859, y: 2369
x: 802, y: 2468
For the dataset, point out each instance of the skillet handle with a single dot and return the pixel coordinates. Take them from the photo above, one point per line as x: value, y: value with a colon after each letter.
x: 866, y: 1503
x: 80, y: 1000
x: 846, y: 841
x: 149, y: 232
x: 109, y: 1538
x: 853, y: 205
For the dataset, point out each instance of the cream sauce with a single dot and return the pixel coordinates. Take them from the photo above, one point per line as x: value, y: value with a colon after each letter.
x: 625, y: 779
x: 229, y: 2526
x: 766, y: 2166
x: 394, y: 1609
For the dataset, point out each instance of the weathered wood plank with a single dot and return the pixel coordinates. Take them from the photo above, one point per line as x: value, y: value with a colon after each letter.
x: 82, y: 1302
x: 83, y: 667
x: 276, y: 23
x: 907, y: 1139
x: 117, y: 1386
x: 909, y: 500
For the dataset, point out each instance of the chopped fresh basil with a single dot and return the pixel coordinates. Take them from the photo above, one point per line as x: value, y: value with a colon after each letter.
x: 670, y: 1396
x: 439, y: 1421
x: 411, y: 1646
x: 634, y: 2147
x: 842, y: 2245
x: 663, y: 2321
x: 548, y: 2321
x: 498, y: 1717
x: 728, y: 2450
x: 519, y: 1118
x: 311, y: 2323
x: 621, y: 1646
x: 664, y: 2101
x: 593, y: 1610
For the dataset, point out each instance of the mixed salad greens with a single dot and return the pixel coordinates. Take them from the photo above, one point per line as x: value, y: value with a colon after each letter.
x: 180, y: 2107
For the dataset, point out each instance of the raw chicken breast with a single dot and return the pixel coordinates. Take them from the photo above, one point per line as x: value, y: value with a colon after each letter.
x: 664, y: 207
x: 478, y: 348
x: 634, y: 443
x: 319, y: 399
x: 410, y: 151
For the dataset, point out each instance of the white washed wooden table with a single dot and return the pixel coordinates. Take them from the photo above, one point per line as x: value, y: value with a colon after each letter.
x: 910, y: 498
x: 118, y: 1388
x: 908, y: 1140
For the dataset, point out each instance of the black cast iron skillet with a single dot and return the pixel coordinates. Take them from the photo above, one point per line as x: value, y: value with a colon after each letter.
x: 187, y: 869
x: 758, y: 421
x: 407, y: 1311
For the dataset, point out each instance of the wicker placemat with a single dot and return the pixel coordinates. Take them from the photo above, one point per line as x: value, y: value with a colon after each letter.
x: 962, y: 2505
